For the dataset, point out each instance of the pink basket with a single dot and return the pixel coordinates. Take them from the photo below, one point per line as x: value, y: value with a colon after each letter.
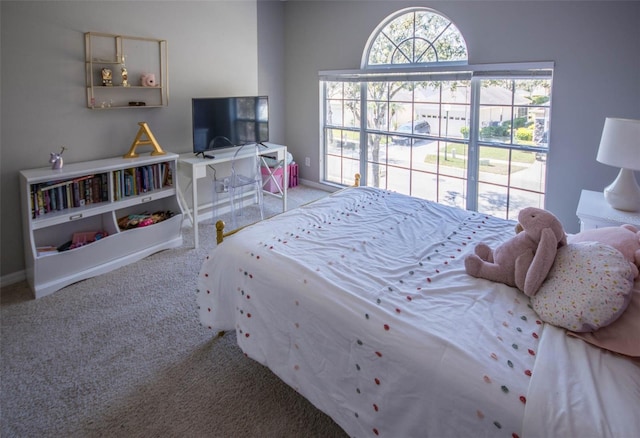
x: 293, y: 174
x: 268, y: 183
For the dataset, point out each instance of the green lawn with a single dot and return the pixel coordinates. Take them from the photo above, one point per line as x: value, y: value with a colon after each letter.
x: 494, y: 160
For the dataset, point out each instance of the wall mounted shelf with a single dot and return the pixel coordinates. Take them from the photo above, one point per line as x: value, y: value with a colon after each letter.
x: 126, y: 88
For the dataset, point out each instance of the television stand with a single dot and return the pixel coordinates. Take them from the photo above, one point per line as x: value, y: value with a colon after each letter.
x: 206, y: 155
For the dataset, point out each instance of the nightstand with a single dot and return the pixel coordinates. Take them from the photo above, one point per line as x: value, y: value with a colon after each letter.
x: 594, y: 212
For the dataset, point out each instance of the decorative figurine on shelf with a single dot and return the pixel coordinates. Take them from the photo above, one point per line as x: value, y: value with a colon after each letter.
x: 124, y: 73
x: 56, y: 159
x: 125, y: 76
x: 148, y: 80
x: 107, y: 77
x: 140, y: 140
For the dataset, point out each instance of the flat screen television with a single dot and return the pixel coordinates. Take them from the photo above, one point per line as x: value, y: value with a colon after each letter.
x: 222, y: 122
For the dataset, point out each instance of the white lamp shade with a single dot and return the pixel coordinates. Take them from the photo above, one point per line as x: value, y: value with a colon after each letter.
x: 620, y: 143
x: 620, y: 147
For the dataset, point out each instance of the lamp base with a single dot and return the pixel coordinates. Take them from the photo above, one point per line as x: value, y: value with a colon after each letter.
x: 624, y: 192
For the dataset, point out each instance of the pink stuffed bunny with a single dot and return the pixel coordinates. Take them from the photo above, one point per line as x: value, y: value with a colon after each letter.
x: 523, y: 261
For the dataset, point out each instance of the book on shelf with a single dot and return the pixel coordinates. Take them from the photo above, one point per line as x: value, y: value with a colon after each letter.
x: 142, y: 179
x: 76, y: 194
x: 53, y: 196
x: 92, y: 189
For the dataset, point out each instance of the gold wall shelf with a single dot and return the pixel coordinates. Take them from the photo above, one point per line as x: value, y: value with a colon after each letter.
x: 125, y: 60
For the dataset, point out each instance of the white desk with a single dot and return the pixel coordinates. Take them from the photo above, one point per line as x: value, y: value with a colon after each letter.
x: 195, y: 168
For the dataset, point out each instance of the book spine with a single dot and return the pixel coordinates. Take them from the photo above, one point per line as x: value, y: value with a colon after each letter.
x: 65, y: 198
x: 137, y: 181
x: 47, y: 202
x: 76, y: 194
x: 34, y: 203
x: 169, y: 177
x: 128, y: 182
x: 116, y: 185
x: 96, y: 190
x: 122, y: 175
x: 70, y: 196
x: 54, y: 203
x: 105, y: 187
x: 40, y: 202
x: 143, y: 180
x: 87, y: 191
x: 149, y: 178
x: 156, y: 176
x: 61, y: 204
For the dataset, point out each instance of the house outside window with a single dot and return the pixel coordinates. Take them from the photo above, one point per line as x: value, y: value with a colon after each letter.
x: 417, y: 119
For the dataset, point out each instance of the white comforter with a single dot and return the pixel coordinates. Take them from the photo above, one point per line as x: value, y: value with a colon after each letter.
x: 360, y: 302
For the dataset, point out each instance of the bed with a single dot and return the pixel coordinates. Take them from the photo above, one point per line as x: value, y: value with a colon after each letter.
x: 360, y: 302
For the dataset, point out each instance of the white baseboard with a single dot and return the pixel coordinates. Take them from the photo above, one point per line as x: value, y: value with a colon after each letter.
x: 316, y: 185
x: 12, y: 278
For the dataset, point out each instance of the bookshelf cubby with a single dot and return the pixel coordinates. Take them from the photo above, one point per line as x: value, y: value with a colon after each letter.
x: 70, y: 217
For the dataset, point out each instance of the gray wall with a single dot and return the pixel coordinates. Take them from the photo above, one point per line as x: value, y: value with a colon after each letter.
x: 212, y: 52
x: 277, y: 48
x: 271, y: 64
x: 595, y: 45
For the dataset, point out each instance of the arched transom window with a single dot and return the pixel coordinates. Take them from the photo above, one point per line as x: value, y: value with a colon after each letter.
x: 417, y: 37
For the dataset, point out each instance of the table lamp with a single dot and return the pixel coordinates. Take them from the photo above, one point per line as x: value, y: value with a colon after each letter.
x: 620, y: 147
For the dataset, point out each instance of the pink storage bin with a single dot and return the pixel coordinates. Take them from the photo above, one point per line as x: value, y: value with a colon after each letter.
x: 267, y: 183
x: 293, y: 175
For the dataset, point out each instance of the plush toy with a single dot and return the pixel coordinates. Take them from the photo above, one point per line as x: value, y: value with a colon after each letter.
x: 625, y: 238
x: 148, y: 80
x: 524, y: 260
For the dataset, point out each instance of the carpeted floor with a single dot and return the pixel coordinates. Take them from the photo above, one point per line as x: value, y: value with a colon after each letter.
x: 123, y: 355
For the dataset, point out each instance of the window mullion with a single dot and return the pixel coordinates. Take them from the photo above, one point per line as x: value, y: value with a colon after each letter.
x: 473, y: 154
x: 323, y: 130
x: 364, y: 137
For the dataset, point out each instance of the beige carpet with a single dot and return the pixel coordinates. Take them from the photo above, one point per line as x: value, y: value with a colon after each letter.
x: 123, y: 355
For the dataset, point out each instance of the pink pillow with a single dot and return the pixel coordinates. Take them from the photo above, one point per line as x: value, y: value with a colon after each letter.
x: 623, y: 335
x: 625, y: 238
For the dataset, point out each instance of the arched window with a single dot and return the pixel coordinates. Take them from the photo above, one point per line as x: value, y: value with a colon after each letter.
x: 418, y: 119
x: 416, y: 37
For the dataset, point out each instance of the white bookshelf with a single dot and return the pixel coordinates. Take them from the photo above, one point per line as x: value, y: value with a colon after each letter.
x: 90, y: 197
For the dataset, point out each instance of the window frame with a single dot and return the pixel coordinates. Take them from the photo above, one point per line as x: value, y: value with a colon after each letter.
x: 472, y: 73
x: 409, y: 36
